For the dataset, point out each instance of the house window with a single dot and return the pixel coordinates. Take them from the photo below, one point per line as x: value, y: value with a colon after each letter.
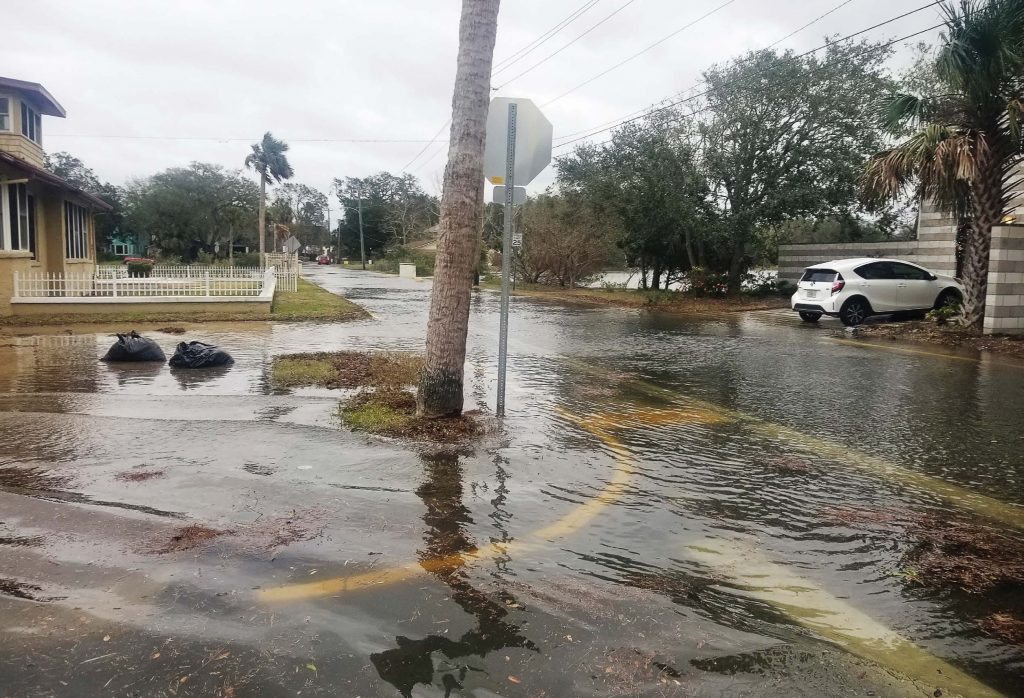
x: 19, y: 228
x: 5, y: 114
x: 76, y: 231
x: 31, y: 124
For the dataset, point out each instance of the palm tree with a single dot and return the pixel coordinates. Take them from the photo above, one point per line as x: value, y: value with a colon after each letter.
x: 440, y: 389
x: 268, y: 159
x: 964, y: 151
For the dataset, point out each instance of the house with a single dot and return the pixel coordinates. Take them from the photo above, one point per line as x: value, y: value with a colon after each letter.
x: 427, y: 240
x: 46, y: 222
x: 122, y: 245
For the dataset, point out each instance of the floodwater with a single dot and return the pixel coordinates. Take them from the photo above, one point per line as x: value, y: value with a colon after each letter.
x: 726, y: 506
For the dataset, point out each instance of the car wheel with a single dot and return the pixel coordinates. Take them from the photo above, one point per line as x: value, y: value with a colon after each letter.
x: 947, y: 297
x: 809, y: 316
x: 854, y: 312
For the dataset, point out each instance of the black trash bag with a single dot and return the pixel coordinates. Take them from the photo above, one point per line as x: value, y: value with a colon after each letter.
x: 132, y: 347
x: 199, y: 355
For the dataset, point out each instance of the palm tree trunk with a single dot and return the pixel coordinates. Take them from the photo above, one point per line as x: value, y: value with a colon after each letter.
x: 263, y: 222
x: 987, y: 193
x: 441, y: 385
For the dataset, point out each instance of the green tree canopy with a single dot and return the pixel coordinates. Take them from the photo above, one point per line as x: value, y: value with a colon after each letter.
x: 200, y: 204
x: 396, y: 211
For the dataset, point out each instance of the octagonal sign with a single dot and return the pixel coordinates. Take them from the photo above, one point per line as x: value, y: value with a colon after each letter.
x: 533, y: 141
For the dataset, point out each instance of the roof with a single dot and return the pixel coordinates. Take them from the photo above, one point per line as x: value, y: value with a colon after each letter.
x: 42, y: 100
x: 48, y: 177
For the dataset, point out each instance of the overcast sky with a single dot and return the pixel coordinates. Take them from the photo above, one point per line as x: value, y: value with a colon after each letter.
x: 151, y: 85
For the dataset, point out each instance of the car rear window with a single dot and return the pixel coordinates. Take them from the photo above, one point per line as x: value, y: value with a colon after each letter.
x: 819, y: 275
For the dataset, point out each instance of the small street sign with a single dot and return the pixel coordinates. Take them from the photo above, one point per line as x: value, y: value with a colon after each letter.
x: 517, y: 239
x: 518, y: 195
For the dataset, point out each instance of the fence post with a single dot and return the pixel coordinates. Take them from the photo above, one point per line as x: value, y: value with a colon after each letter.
x: 113, y: 287
x: 206, y: 274
x: 17, y: 284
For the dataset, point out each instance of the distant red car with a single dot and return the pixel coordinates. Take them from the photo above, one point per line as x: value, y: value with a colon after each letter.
x: 323, y: 259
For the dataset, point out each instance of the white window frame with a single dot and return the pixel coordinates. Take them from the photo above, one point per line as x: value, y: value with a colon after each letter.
x: 10, y: 225
x: 5, y: 224
x: 7, y: 113
x: 76, y: 231
x: 33, y: 129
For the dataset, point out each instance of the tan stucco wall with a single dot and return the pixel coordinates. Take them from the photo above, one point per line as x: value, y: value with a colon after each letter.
x: 13, y: 142
x: 199, y: 308
x: 9, y: 263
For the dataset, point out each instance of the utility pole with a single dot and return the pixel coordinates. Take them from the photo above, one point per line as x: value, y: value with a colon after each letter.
x: 362, y: 246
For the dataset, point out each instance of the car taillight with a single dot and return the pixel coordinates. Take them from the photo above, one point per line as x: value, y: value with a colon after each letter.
x: 837, y: 286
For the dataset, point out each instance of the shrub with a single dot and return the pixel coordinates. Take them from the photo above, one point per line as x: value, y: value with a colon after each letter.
x: 943, y: 314
x: 762, y: 283
x: 707, y: 284
x: 140, y: 268
x: 247, y: 260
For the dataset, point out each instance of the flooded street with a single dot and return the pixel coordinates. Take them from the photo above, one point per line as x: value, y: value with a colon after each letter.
x: 718, y: 506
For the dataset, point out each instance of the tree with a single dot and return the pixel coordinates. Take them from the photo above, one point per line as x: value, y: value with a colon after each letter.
x: 269, y: 161
x: 184, y: 208
x: 76, y: 172
x: 441, y: 385
x: 965, y: 150
x: 303, y: 210
x: 786, y: 137
x: 648, y: 180
x: 562, y: 242
x: 395, y: 209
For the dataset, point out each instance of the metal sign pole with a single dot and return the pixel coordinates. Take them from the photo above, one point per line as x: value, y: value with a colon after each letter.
x: 506, y: 256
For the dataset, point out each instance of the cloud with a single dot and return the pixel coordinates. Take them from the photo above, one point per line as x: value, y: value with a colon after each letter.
x: 197, y: 73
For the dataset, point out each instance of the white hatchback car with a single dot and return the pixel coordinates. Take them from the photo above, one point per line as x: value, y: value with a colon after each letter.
x: 853, y: 289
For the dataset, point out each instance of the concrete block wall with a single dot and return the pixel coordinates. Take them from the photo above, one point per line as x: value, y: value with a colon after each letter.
x: 1004, y: 308
x: 938, y: 255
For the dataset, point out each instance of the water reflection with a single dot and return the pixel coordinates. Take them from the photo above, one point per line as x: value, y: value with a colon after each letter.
x: 140, y: 373
x: 189, y: 378
x: 444, y: 555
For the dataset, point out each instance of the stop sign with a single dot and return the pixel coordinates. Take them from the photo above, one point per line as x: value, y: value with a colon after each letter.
x: 533, y: 141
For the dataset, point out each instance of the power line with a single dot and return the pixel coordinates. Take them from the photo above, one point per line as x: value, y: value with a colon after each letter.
x: 640, y: 52
x: 512, y: 60
x: 769, y: 46
x: 509, y: 62
x: 671, y: 104
x: 250, y: 138
x: 535, y: 44
x: 424, y: 149
x: 565, y: 46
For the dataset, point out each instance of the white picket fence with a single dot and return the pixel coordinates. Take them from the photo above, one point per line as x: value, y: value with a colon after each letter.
x: 287, y: 276
x: 210, y: 282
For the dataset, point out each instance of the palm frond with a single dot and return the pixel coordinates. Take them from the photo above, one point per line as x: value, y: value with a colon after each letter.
x: 897, y: 111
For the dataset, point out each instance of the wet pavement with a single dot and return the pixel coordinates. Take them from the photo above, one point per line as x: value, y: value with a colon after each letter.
x: 720, y: 506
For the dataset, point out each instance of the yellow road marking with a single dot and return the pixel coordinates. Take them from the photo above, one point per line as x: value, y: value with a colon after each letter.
x: 832, y: 618
x: 901, y: 350
x: 573, y: 521
x: 989, y: 507
x: 939, y: 354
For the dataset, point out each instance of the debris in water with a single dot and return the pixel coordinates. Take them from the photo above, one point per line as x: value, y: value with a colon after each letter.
x: 789, y: 464
x: 1004, y: 626
x: 190, y: 537
x: 973, y: 557
x: 138, y: 475
x: 24, y: 590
